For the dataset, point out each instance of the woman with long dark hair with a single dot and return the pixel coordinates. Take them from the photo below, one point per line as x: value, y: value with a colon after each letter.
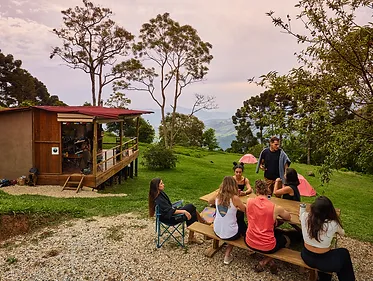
x: 290, y: 190
x: 227, y: 205
x: 242, y: 184
x: 318, y: 228
x: 157, y: 196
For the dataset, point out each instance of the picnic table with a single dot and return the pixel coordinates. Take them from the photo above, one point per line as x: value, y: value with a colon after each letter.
x: 291, y: 206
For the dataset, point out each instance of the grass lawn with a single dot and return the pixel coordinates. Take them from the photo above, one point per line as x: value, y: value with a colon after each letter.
x: 199, y: 172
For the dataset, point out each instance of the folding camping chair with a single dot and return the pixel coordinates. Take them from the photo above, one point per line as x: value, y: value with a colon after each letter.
x: 166, y: 231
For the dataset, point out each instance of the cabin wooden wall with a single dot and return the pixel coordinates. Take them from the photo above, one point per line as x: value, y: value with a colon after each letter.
x: 15, y: 144
x: 47, y: 134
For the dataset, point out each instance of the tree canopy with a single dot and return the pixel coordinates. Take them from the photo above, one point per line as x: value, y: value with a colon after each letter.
x: 93, y: 42
x: 331, y: 93
x: 171, y: 57
x: 19, y: 88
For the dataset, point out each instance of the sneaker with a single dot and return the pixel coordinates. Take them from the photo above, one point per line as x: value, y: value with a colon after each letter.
x: 228, y: 260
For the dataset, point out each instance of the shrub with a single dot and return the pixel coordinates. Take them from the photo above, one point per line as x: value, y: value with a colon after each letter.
x: 157, y: 157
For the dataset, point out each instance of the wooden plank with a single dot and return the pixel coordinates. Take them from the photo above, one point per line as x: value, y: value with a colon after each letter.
x: 284, y: 254
x: 74, y: 117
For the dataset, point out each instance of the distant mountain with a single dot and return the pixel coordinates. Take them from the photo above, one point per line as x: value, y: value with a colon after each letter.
x: 220, y: 121
x: 224, y: 131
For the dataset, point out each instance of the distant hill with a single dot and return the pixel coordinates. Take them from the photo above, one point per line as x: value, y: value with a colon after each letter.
x: 220, y: 121
x: 224, y: 131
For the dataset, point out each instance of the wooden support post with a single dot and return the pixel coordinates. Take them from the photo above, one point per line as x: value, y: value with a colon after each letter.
x: 111, y: 181
x: 131, y: 170
x: 137, y: 132
x: 119, y: 174
x: 94, y: 154
x: 136, y: 166
x: 121, y: 140
x: 125, y: 172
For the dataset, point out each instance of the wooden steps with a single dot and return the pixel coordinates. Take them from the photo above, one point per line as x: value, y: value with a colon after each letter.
x: 73, y: 182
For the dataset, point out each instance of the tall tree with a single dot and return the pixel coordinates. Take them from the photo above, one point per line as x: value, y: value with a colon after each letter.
x: 209, y: 139
x: 189, y: 129
x: 337, y: 45
x: 93, y: 42
x: 19, y: 88
x: 175, y: 57
x: 340, y: 47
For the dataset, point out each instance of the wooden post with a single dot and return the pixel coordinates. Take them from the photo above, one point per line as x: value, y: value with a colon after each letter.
x: 94, y: 154
x: 131, y: 170
x: 121, y: 140
x: 136, y: 166
x: 137, y: 132
x: 125, y: 173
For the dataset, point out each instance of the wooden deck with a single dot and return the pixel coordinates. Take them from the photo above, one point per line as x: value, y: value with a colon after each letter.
x: 104, y: 174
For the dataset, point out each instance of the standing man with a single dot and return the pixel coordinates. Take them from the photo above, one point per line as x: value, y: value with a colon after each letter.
x: 273, y: 161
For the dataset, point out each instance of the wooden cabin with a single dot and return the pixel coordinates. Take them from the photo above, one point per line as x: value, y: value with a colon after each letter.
x: 66, y: 143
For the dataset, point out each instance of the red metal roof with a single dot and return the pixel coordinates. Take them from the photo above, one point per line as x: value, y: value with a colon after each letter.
x: 96, y: 111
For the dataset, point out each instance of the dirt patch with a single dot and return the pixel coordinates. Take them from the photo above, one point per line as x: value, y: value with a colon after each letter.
x: 15, y: 224
x: 11, y: 225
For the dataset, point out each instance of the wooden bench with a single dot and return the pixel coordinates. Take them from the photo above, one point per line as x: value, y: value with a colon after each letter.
x: 284, y: 254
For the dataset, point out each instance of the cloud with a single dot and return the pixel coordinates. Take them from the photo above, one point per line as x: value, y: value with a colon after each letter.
x: 245, y: 43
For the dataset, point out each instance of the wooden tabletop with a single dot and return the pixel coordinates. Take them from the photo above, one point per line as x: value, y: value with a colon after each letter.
x: 291, y: 206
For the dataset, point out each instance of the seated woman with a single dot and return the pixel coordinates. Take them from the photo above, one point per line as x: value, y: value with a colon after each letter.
x: 157, y: 196
x: 261, y: 235
x: 242, y: 182
x: 290, y: 190
x: 227, y: 203
x: 319, y: 227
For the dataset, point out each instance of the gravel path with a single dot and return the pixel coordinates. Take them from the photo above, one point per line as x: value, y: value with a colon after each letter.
x: 122, y: 248
x: 55, y: 191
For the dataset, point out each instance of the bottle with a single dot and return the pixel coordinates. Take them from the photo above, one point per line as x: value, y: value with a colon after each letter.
x: 302, y: 208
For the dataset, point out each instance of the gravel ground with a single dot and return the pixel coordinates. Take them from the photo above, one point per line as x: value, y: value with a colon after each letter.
x: 123, y: 248
x: 55, y: 191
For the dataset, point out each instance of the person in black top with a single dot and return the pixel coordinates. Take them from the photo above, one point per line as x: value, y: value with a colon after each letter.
x: 273, y: 161
x: 242, y: 182
x: 157, y: 196
x: 290, y: 190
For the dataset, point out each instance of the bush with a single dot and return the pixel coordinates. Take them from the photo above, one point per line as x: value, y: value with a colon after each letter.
x: 157, y: 157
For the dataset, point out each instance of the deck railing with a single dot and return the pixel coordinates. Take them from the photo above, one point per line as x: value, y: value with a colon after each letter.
x: 108, y: 158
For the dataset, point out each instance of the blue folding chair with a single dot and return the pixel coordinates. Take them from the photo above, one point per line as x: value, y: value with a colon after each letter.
x: 166, y: 231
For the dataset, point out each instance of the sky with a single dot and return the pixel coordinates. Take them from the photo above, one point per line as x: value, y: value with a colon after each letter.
x: 245, y: 44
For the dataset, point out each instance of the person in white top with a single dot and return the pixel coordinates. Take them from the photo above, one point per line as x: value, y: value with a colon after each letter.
x: 227, y: 203
x: 318, y: 228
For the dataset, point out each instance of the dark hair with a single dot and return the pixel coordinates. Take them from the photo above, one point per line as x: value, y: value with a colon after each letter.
x: 238, y: 166
x: 153, y: 193
x: 322, y: 211
x: 273, y: 139
x: 261, y: 187
x: 291, y: 177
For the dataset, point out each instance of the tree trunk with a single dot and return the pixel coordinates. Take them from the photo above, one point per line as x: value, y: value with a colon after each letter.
x: 164, y: 127
x: 93, y: 87
x: 173, y: 119
x: 309, y: 152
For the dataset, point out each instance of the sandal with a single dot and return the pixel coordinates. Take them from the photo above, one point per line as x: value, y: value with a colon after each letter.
x: 273, y: 268
x: 258, y: 268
